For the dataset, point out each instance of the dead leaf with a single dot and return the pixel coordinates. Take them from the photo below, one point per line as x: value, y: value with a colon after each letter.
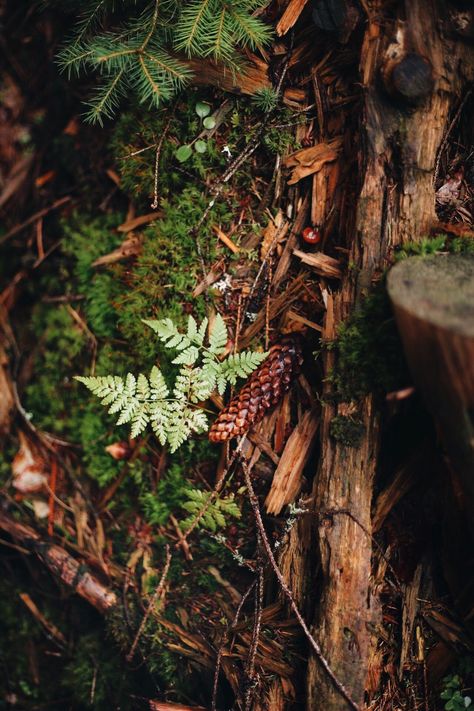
x: 7, y: 400
x: 119, y: 450
x: 28, y: 468
x: 310, y: 160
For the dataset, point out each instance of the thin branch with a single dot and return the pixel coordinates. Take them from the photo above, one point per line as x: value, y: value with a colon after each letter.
x: 289, y: 595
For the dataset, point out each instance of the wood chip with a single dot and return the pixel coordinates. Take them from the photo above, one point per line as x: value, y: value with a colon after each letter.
x: 290, y: 16
x: 287, y: 480
x: 321, y: 263
x: 226, y: 240
x: 310, y: 160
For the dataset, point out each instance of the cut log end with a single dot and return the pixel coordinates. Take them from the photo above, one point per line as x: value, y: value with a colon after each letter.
x: 438, y: 289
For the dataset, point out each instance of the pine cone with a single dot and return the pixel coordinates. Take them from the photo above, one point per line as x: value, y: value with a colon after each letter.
x: 265, y: 387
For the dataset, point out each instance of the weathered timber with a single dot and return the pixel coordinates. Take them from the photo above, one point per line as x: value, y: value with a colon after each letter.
x: 433, y: 300
x: 391, y: 210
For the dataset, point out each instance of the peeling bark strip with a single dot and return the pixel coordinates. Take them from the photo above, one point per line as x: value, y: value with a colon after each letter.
x: 391, y: 210
x: 63, y: 566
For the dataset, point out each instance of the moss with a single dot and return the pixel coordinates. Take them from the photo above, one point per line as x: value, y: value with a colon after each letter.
x: 346, y: 430
x: 370, y: 355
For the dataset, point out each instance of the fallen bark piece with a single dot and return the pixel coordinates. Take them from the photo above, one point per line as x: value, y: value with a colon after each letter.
x: 286, y: 482
x: 290, y: 16
x: 264, y: 389
x: 310, y: 160
x: 321, y: 263
x: 64, y: 567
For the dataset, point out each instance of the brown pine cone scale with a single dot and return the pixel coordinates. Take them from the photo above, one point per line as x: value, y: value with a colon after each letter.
x: 263, y: 390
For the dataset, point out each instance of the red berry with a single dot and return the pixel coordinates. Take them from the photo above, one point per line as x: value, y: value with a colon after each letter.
x: 311, y: 235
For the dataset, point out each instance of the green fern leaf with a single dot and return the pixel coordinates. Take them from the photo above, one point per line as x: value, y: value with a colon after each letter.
x: 158, y: 388
x: 241, y: 365
x: 187, y: 357
x: 218, y: 336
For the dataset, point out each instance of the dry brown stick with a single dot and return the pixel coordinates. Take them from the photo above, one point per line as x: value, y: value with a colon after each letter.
x: 289, y: 595
x: 156, y: 595
x: 255, y: 634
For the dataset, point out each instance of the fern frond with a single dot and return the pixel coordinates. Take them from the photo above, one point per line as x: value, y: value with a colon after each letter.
x: 241, y: 365
x: 218, y: 336
x: 216, y: 512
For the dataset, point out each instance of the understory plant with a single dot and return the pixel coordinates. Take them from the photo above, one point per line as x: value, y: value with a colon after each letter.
x: 142, y: 47
x: 174, y: 413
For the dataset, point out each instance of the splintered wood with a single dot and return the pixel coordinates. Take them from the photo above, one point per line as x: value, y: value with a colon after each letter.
x: 286, y: 482
x: 310, y: 160
x: 321, y: 263
x: 290, y: 16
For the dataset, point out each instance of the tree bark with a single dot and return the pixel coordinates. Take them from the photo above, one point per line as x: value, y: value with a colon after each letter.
x: 400, y: 138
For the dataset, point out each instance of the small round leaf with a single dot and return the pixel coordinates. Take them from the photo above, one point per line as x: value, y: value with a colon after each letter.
x: 183, y: 153
x: 202, y: 109
x: 209, y: 122
x: 200, y: 146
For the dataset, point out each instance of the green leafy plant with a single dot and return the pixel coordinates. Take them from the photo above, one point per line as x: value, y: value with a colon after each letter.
x: 216, y: 512
x: 175, y: 413
x: 266, y: 99
x: 203, y: 109
x: 453, y: 694
x: 140, y: 46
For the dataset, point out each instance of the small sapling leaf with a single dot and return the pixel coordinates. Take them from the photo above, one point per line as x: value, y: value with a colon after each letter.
x: 200, y: 146
x: 183, y: 153
x: 202, y: 109
x: 209, y: 122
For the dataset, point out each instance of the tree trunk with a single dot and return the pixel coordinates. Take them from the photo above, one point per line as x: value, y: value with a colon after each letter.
x: 412, y: 77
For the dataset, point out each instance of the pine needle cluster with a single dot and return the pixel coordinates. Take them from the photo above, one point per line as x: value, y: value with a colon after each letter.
x: 142, y: 48
x: 175, y: 413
